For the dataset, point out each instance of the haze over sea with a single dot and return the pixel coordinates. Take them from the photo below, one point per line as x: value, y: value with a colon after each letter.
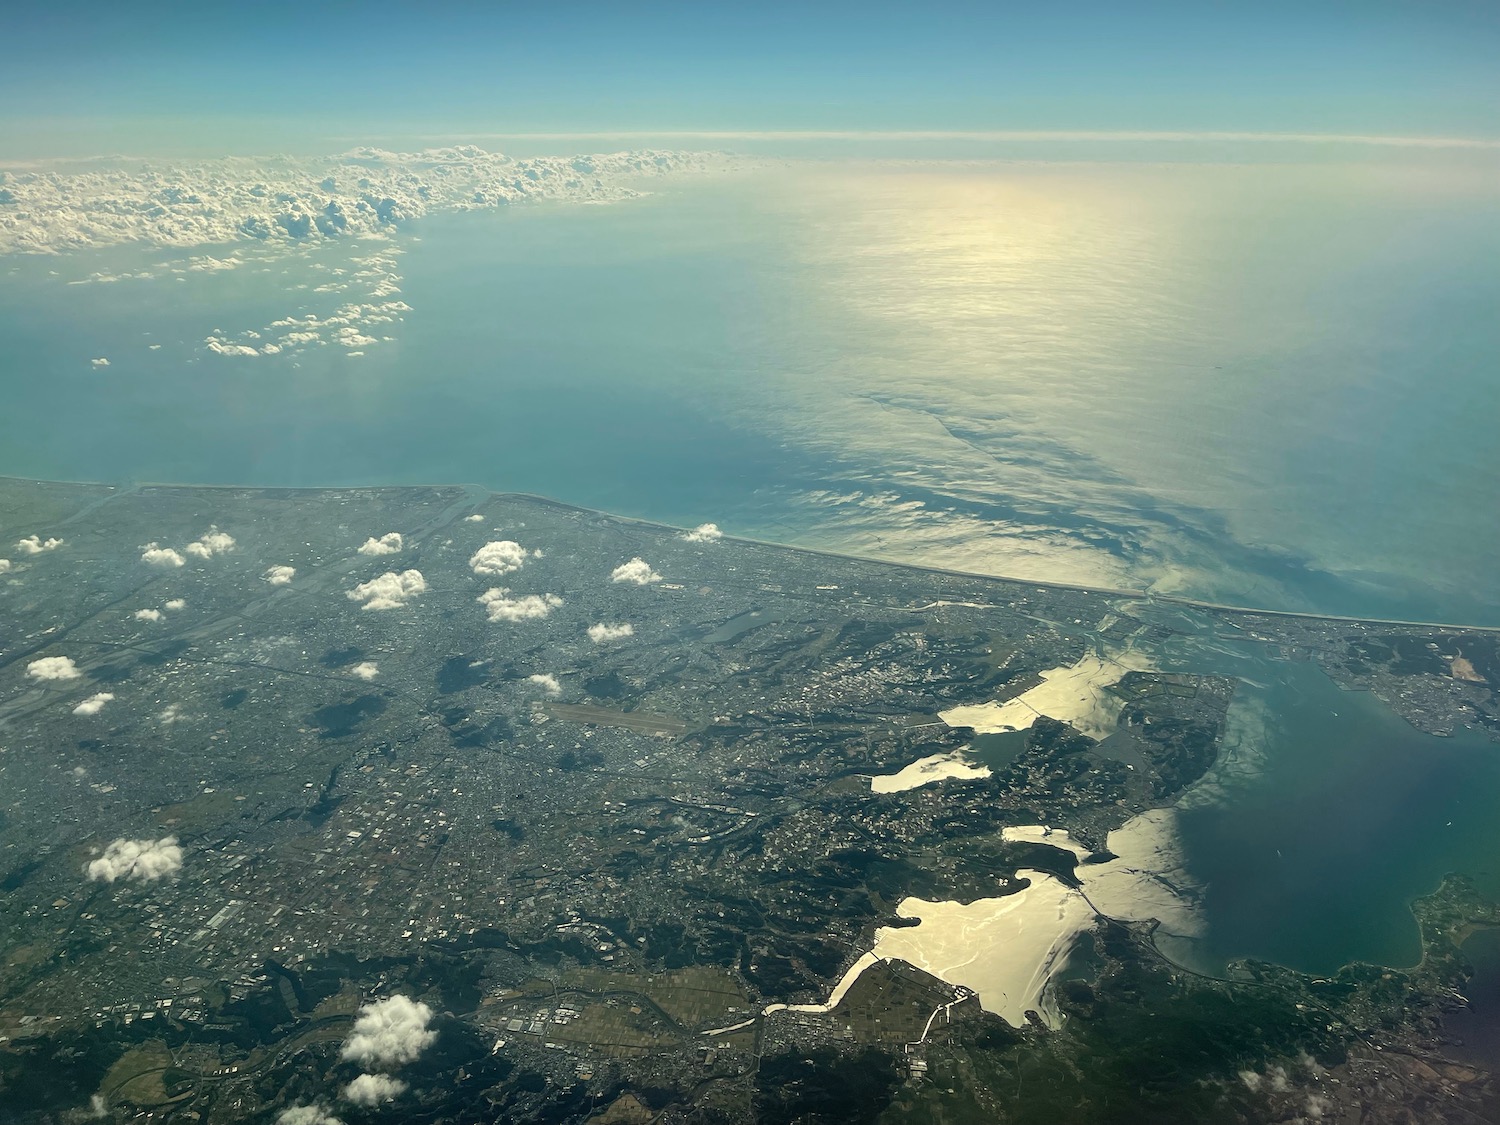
x: 1267, y: 384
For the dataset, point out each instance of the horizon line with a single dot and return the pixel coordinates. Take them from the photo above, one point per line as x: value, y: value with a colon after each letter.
x: 1081, y: 136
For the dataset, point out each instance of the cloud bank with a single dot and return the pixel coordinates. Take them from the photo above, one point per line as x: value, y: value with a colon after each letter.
x: 390, y: 1032
x: 144, y: 861
x: 290, y: 202
x: 390, y: 590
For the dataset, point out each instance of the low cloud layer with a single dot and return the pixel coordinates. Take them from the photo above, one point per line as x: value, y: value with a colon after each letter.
x: 36, y: 545
x: 390, y: 590
x: 279, y: 575
x: 143, y: 861
x: 374, y: 1089
x: 502, y: 607
x: 93, y: 704
x: 704, y: 533
x: 53, y: 668
x: 388, y: 544
x: 286, y: 203
x: 494, y: 560
x: 154, y: 554
x: 390, y: 1032
x: 607, y: 632
x: 637, y: 571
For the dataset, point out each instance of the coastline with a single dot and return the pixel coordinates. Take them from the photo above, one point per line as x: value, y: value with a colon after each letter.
x: 475, y: 490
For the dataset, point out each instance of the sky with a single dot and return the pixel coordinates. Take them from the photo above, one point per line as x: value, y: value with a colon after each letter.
x: 163, y: 73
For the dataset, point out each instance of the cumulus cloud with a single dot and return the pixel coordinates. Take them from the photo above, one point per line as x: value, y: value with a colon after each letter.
x: 704, y: 533
x: 547, y: 682
x: 279, y: 575
x: 4, y: 565
x: 365, y: 670
x: 505, y: 556
x: 215, y: 542
x: 157, y: 555
x: 637, y: 570
x: 390, y: 590
x: 374, y: 1089
x: 36, y: 545
x: 390, y: 1032
x: 93, y: 704
x: 53, y: 668
x: 475, y: 518
x: 605, y: 632
x: 307, y: 1115
x: 100, y: 362
x: 175, y: 603
x: 148, y: 615
x: 388, y: 544
x: 502, y: 607
x: 142, y: 860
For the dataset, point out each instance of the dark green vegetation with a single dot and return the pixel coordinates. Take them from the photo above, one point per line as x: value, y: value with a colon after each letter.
x: 599, y: 888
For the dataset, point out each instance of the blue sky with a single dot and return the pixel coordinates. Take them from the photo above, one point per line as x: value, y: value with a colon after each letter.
x: 1360, y: 67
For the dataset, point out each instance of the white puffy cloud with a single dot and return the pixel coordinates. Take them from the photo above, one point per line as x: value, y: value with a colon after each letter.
x: 100, y: 362
x: 175, y: 603
x: 605, y: 632
x: 157, y: 555
x: 547, y: 682
x: 390, y: 1032
x: 279, y: 575
x: 215, y: 542
x: 365, y: 670
x: 388, y: 544
x: 4, y: 565
x: 504, y: 556
x: 374, y: 1089
x: 148, y: 615
x: 36, y: 545
x: 142, y: 860
x: 53, y: 668
x: 306, y: 1115
x: 637, y: 570
x: 209, y: 264
x: 390, y: 590
x: 704, y: 533
x: 93, y: 704
x: 502, y: 607
x: 475, y: 518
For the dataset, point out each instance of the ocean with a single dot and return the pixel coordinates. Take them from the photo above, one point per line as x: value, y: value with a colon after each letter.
x: 1270, y: 385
